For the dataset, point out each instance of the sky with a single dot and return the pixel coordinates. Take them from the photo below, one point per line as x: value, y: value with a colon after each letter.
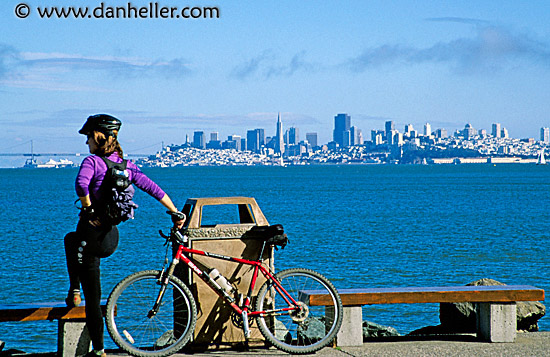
x: 448, y: 63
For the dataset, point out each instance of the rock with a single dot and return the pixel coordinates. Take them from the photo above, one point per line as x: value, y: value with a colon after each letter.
x: 461, y: 317
x: 312, y: 329
x: 372, y: 330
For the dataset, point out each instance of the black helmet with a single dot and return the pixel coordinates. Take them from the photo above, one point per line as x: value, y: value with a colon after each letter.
x: 101, y: 122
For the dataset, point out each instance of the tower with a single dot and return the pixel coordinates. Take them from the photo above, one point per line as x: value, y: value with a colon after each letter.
x: 545, y: 135
x: 279, y: 143
x: 427, y: 129
x: 342, y: 123
x: 496, y: 130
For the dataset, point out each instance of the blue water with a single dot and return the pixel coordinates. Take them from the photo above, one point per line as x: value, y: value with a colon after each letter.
x: 361, y: 226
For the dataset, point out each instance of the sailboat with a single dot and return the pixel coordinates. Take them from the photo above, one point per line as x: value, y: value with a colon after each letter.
x: 541, y: 160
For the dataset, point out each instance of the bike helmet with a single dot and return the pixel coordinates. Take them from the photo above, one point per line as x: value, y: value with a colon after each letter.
x: 101, y: 122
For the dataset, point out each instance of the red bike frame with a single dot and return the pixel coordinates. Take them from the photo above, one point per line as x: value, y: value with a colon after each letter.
x: 181, y: 256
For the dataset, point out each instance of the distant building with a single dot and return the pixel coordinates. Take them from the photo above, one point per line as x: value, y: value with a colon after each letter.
x: 356, y: 136
x: 199, y: 140
x: 392, y: 137
x: 214, y: 144
x: 214, y: 136
x: 496, y: 132
x: 427, y: 129
x: 292, y: 136
x: 377, y: 137
x: 545, y: 135
x: 279, y: 140
x: 254, y: 140
x: 504, y: 133
x: 441, y: 133
x: 469, y: 132
x: 312, y: 139
x: 390, y: 126
x: 408, y: 130
x: 342, y: 123
x: 236, y: 139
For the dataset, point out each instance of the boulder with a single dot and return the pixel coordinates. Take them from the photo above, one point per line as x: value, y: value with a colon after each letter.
x: 461, y: 317
x: 373, y: 330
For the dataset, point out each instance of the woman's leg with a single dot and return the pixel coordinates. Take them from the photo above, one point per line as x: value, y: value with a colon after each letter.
x: 71, y: 253
x: 89, y: 272
x: 91, y: 286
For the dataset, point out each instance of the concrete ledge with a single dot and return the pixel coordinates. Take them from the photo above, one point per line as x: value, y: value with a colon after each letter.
x: 351, y: 332
x: 496, y: 322
x: 73, y: 339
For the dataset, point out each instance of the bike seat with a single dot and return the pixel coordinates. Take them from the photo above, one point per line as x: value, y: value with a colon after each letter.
x: 264, y: 232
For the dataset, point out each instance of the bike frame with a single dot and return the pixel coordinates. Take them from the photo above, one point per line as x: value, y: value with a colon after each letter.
x: 245, y: 310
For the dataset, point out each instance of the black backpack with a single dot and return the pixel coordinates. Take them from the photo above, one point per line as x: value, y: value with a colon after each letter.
x: 117, y: 193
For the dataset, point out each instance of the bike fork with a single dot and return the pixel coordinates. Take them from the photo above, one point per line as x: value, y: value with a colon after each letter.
x: 164, y: 279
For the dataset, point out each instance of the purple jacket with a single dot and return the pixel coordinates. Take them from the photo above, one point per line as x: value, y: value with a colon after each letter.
x: 93, y: 169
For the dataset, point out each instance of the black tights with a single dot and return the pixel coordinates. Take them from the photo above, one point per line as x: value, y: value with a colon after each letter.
x: 83, y: 249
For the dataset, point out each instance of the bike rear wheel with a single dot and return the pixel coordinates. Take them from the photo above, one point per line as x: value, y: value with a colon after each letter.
x: 137, y: 330
x: 304, y: 331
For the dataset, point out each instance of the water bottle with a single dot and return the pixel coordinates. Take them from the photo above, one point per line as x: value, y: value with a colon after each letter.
x: 221, y: 280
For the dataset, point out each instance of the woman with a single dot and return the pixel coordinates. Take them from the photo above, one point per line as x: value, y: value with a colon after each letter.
x: 95, y: 236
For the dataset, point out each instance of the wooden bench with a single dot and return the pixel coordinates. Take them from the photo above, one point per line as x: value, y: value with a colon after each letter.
x: 72, y: 336
x: 496, y: 306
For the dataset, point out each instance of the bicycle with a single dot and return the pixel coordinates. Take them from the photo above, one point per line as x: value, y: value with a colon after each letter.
x: 153, y: 313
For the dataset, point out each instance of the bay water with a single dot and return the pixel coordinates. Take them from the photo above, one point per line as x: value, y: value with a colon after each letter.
x: 361, y: 226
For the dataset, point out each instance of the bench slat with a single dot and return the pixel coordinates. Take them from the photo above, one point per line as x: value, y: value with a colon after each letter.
x: 412, y: 295
x: 42, y: 311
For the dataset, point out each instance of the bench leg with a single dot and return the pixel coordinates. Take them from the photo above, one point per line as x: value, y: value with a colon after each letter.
x: 496, y: 322
x: 351, y: 332
x: 73, y: 339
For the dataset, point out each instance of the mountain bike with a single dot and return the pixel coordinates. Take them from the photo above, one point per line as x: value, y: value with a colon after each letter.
x: 153, y: 313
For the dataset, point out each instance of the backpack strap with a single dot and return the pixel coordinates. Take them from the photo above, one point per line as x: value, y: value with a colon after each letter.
x: 110, y: 164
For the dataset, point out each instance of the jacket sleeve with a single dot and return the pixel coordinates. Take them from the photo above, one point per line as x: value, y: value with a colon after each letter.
x: 144, y: 183
x: 84, y: 177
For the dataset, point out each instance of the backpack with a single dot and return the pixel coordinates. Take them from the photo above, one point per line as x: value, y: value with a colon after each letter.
x: 117, y: 193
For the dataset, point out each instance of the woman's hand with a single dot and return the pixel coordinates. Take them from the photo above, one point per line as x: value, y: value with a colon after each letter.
x: 178, y: 218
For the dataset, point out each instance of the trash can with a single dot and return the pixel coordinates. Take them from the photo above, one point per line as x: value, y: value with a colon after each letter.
x: 217, y: 225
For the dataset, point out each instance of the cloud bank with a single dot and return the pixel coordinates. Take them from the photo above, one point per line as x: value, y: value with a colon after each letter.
x: 491, y: 48
x: 48, y: 70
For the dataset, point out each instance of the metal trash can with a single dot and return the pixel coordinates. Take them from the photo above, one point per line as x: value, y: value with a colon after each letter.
x: 217, y: 225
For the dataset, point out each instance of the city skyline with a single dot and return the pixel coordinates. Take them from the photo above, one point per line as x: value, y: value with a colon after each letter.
x: 345, y: 135
x: 446, y: 63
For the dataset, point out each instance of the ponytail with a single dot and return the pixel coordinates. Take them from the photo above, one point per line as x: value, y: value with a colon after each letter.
x: 106, y: 145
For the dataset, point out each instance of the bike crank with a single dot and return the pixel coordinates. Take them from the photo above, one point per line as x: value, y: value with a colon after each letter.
x: 301, y: 314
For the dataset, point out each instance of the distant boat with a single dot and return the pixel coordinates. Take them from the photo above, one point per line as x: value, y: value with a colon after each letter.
x: 50, y: 164
x: 541, y: 160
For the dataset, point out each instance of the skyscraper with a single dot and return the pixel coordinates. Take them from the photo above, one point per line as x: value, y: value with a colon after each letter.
x: 293, y: 136
x: 545, y: 135
x: 427, y: 129
x: 390, y: 126
x: 496, y: 130
x: 199, y: 139
x: 356, y: 136
x: 312, y: 139
x: 342, y: 123
x: 279, y: 143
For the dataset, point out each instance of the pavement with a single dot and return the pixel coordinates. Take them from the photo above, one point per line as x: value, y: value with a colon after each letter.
x: 527, y: 344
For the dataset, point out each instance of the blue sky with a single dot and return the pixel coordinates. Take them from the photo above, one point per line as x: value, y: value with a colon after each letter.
x: 444, y: 62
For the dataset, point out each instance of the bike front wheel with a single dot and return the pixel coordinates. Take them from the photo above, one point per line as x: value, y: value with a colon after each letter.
x: 303, y: 330
x: 141, y: 330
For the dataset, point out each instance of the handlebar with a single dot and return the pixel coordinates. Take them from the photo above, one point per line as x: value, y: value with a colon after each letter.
x: 175, y: 236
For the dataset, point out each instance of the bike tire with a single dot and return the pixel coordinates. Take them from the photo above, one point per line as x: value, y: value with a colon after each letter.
x: 161, y: 335
x: 296, y: 333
